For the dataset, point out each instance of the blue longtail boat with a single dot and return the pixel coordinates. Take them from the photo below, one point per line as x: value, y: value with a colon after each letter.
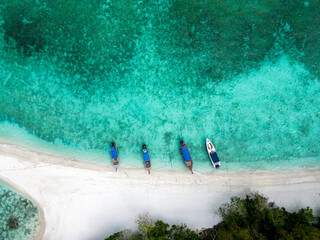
x: 186, y: 155
x: 146, y: 157
x: 114, y: 155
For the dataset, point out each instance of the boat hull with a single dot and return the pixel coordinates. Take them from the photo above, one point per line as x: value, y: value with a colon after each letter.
x: 115, y: 156
x: 146, y: 157
x: 186, y: 156
x: 115, y: 163
x: 212, y: 154
x: 189, y: 165
x: 148, y: 166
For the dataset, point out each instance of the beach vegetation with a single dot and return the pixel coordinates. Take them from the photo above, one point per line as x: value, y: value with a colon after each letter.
x: 158, y: 230
x: 249, y: 218
x: 144, y: 223
x: 126, y: 234
x: 255, y: 218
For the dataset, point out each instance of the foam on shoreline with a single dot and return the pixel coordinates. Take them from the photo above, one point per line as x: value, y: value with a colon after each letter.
x: 82, y: 200
x: 12, y: 133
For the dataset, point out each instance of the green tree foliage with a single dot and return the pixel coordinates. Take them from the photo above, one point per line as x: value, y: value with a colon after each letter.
x: 251, y: 218
x: 145, y: 224
x: 163, y: 231
x: 159, y: 230
x: 124, y: 235
x: 255, y: 218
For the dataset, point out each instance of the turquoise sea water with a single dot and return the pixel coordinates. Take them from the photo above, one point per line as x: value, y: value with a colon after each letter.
x: 15, y: 206
x: 76, y: 75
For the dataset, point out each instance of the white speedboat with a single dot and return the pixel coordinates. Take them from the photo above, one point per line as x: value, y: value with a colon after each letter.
x: 213, y: 154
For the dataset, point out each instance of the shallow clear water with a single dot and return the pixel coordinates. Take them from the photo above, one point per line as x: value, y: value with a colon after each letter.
x: 19, y: 217
x: 78, y: 75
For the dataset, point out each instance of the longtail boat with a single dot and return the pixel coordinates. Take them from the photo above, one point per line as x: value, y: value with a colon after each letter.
x: 186, y: 155
x: 146, y: 157
x: 114, y: 155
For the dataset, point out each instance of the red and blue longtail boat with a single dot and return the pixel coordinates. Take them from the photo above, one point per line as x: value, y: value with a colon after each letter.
x: 114, y: 155
x: 186, y: 155
x: 146, y: 157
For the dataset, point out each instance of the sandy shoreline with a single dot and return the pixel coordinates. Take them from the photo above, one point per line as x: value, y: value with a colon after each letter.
x: 82, y: 200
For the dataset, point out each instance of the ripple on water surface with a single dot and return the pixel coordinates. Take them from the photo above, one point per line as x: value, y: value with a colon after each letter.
x: 243, y: 74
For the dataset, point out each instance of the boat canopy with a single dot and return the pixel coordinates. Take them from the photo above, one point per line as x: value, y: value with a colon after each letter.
x: 146, y: 157
x: 214, y: 157
x: 186, y: 154
x: 114, y: 153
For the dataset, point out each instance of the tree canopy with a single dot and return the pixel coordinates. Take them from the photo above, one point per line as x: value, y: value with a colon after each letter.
x: 251, y: 218
x: 159, y: 230
x: 255, y: 218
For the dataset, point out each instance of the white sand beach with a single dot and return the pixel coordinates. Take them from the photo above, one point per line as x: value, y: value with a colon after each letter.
x: 83, y: 200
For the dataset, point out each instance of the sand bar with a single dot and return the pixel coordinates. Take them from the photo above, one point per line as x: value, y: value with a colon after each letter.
x: 81, y: 200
